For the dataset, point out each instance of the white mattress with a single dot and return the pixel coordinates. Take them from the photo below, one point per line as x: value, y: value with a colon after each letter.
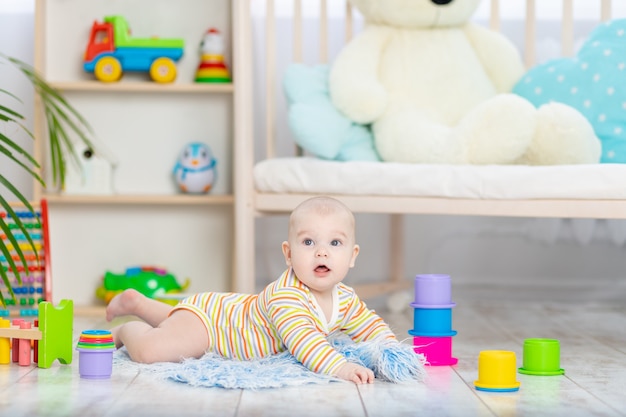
x: 310, y: 175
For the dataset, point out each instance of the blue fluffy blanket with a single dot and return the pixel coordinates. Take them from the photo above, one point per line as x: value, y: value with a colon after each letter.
x: 393, y: 362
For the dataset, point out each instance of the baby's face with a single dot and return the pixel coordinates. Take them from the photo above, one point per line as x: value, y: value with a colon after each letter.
x: 321, y: 249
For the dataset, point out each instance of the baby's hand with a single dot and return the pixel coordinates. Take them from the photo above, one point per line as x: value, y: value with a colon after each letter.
x: 356, y: 373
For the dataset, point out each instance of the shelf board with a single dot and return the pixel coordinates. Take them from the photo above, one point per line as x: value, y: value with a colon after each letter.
x: 143, y: 87
x: 178, y: 199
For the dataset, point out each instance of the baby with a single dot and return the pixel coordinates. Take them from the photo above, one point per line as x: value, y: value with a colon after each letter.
x: 298, y: 312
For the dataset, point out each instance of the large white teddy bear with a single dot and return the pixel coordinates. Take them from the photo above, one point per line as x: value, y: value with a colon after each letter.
x: 436, y: 89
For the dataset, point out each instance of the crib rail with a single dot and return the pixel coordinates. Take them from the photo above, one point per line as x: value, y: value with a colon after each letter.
x: 268, y: 37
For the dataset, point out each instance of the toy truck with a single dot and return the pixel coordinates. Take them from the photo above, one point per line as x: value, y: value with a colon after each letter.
x: 111, y: 51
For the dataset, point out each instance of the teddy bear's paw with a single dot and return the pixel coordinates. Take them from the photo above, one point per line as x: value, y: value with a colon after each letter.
x: 361, y: 105
x: 564, y: 136
x: 499, y: 130
x: 408, y: 135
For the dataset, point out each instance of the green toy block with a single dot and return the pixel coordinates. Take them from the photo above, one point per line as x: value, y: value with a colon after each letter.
x: 55, y: 325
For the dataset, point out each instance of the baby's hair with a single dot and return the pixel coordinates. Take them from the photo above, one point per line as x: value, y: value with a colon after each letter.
x: 322, y: 205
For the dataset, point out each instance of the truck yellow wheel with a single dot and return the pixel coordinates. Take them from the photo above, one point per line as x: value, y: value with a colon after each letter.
x: 163, y: 70
x: 108, y: 69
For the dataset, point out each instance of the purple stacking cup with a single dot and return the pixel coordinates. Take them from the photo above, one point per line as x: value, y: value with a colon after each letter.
x: 432, y: 291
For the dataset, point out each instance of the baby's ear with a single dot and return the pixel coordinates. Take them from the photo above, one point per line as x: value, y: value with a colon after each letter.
x: 355, y: 253
x: 287, y: 253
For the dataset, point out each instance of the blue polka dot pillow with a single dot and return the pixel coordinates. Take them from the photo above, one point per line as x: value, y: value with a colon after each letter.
x: 593, y: 82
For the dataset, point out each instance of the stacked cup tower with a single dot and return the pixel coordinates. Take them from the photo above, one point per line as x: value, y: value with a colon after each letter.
x: 432, y: 319
x: 95, y: 349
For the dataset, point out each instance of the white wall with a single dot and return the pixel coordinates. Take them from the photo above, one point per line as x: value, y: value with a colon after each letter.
x: 16, y: 39
x: 478, y: 250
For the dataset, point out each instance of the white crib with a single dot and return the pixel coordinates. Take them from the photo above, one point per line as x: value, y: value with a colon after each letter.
x: 267, y: 182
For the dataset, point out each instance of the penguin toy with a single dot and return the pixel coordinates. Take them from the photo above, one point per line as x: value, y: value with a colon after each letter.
x: 195, y: 172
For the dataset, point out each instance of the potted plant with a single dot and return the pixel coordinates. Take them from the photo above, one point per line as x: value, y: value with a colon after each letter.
x: 62, y: 121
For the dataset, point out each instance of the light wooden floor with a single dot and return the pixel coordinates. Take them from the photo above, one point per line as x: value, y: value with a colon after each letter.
x: 590, y: 323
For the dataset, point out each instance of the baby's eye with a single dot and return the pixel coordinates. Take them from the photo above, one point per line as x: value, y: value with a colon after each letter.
x: 307, y: 242
x: 335, y: 242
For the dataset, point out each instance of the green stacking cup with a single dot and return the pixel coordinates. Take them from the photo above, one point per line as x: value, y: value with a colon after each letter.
x: 542, y: 357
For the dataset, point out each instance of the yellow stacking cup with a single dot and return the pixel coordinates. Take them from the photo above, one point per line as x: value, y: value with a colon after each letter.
x: 497, y: 371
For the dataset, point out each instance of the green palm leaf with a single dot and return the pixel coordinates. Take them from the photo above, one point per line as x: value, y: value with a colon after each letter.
x: 63, y: 122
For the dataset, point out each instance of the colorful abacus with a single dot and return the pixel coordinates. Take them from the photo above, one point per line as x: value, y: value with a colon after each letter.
x: 95, y: 360
x: 36, y: 281
x: 432, y: 319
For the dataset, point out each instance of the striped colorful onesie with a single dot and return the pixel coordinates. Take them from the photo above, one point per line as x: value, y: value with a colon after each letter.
x: 284, y: 316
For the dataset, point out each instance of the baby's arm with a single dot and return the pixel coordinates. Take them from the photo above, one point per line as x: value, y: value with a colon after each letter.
x: 296, y: 326
x: 362, y: 324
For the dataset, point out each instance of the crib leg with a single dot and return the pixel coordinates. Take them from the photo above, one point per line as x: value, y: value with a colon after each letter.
x: 397, y: 248
x: 396, y: 281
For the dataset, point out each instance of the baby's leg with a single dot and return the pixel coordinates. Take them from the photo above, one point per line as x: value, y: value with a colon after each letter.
x: 133, y: 303
x: 181, y: 335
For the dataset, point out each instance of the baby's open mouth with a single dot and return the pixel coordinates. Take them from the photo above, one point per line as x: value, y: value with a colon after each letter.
x: 322, y: 268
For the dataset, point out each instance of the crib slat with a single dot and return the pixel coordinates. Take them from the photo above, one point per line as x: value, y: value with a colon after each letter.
x: 297, y: 48
x: 297, y: 31
x: 349, y: 22
x: 270, y: 78
x: 530, y: 37
x: 494, y: 18
x: 567, y: 28
x: 605, y: 10
x: 323, y: 31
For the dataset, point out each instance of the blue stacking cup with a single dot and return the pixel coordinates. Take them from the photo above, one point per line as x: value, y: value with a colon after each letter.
x: 432, y: 322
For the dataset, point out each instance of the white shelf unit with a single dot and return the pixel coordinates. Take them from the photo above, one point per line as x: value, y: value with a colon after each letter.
x: 144, y: 125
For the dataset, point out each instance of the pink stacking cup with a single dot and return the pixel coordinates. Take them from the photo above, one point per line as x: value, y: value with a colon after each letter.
x: 436, y: 350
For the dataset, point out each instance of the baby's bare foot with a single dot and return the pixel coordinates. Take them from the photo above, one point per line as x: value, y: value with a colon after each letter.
x: 123, y: 304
